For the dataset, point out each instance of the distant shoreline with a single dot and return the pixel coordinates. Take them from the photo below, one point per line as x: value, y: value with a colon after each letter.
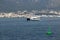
x: 27, y: 14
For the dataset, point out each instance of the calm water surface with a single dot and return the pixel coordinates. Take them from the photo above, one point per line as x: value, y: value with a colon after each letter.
x: 21, y: 29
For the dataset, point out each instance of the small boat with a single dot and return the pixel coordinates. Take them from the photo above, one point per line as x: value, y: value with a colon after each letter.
x: 34, y: 18
x: 28, y: 19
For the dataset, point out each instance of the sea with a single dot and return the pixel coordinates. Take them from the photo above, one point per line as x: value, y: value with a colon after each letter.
x: 21, y: 29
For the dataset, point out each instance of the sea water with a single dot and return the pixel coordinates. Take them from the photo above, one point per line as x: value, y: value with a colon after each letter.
x: 21, y: 29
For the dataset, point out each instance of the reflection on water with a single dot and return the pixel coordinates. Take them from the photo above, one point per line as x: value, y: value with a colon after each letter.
x: 20, y: 29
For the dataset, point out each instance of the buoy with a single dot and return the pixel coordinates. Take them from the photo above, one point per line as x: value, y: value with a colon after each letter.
x: 49, y: 31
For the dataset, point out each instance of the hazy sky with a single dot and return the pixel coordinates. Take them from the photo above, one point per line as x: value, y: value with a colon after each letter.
x: 15, y: 5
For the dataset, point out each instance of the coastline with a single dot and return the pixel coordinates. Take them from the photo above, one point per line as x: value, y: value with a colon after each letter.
x: 30, y: 14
